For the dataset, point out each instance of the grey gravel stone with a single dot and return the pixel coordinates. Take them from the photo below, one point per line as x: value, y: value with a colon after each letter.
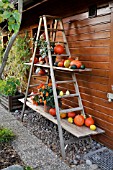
x: 14, y: 167
x: 93, y: 167
x: 88, y: 162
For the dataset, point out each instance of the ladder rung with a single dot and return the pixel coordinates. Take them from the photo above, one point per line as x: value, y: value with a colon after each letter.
x: 50, y: 29
x: 37, y: 75
x: 54, y: 55
x: 33, y: 85
x: 32, y: 94
x: 71, y: 110
x: 67, y: 81
x: 70, y: 95
x: 49, y: 16
x: 58, y: 42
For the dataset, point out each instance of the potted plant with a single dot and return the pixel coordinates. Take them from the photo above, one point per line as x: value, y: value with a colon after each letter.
x: 9, y: 93
x: 45, y: 97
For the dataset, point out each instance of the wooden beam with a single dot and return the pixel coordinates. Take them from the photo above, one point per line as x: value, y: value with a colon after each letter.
x: 39, y: 3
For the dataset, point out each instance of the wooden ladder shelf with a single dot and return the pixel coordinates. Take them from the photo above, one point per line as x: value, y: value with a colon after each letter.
x: 76, y: 131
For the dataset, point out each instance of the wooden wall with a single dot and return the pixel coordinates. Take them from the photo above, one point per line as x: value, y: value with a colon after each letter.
x: 91, y: 39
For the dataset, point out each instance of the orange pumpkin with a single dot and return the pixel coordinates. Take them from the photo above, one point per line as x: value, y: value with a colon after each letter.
x: 71, y: 114
x: 76, y: 62
x: 35, y: 60
x: 71, y: 59
x: 58, y: 49
x: 79, y: 120
x: 89, y: 121
x: 60, y: 64
x: 52, y: 111
x: 41, y: 72
x: 63, y: 115
x: 58, y: 59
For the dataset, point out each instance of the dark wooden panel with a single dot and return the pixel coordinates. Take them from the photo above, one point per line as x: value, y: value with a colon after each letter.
x: 93, y: 92
x: 97, y: 35
x: 89, y: 21
x: 97, y: 100
x: 105, y: 140
x: 90, y: 43
x: 100, y: 111
x: 94, y: 58
x: 90, y: 50
x: 111, y: 55
x: 87, y: 29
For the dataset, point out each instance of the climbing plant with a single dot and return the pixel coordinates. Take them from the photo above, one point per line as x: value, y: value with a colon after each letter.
x: 19, y: 54
x: 13, y: 18
x: 9, y: 15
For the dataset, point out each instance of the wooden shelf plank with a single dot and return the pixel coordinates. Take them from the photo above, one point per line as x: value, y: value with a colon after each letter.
x: 61, y: 68
x: 71, y: 128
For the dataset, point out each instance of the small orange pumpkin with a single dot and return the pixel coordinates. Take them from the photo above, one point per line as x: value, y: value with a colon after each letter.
x: 52, y: 111
x: 89, y: 121
x: 79, y: 120
x: 63, y: 115
x: 76, y: 62
x: 71, y: 114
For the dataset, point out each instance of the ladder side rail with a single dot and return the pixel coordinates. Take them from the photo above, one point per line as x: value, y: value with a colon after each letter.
x: 54, y: 33
x: 78, y: 92
x: 54, y: 91
x: 64, y: 38
x: 31, y: 68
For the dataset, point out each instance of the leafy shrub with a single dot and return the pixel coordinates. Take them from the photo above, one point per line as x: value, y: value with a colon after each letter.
x: 9, y: 86
x: 6, y: 135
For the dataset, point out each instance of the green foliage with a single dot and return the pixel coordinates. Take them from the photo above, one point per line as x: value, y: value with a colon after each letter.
x: 9, y: 86
x: 19, y: 54
x: 6, y: 135
x: 46, y: 94
x: 28, y: 168
x: 9, y: 14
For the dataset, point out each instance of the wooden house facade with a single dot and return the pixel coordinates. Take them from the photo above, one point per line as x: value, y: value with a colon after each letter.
x: 89, y: 30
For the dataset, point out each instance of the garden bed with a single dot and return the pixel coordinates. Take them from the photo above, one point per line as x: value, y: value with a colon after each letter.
x: 8, y: 156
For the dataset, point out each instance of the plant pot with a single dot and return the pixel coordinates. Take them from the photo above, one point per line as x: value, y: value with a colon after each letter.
x: 11, y: 103
x: 46, y: 108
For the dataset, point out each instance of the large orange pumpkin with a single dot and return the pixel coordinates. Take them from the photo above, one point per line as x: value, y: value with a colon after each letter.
x: 76, y: 62
x: 79, y: 120
x: 52, y: 111
x: 58, y: 49
x: 89, y: 121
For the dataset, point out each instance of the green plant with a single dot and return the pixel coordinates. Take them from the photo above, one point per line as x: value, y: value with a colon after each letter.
x: 28, y: 168
x: 46, y: 96
x: 19, y: 54
x: 9, y: 86
x: 10, y: 14
x: 6, y: 135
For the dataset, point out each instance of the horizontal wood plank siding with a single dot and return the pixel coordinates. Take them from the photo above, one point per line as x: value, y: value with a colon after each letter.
x: 89, y: 39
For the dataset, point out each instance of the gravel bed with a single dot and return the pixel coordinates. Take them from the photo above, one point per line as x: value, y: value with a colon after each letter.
x: 8, y: 156
x: 47, y: 131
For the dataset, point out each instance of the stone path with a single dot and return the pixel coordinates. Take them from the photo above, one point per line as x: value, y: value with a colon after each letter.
x: 31, y: 150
